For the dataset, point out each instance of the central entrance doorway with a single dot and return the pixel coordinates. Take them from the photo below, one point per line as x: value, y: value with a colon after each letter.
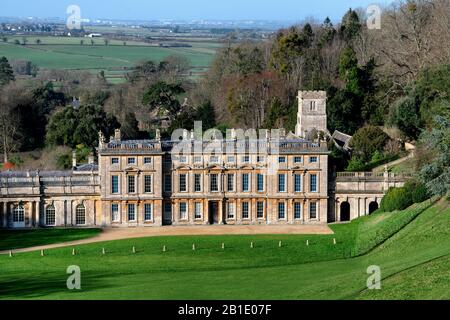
x: 213, y: 212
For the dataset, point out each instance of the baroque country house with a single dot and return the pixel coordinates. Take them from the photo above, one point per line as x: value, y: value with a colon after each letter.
x: 274, y: 179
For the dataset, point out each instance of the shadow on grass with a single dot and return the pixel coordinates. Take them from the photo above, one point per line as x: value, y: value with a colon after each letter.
x: 41, y: 286
x: 18, y: 239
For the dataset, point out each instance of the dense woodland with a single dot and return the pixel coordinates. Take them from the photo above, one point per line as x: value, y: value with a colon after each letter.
x: 384, y: 87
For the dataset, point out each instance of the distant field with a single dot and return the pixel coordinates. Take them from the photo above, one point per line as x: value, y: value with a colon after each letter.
x: 68, y: 53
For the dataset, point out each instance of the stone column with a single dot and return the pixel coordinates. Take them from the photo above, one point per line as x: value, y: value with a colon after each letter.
x: 337, y: 216
x: 305, y: 210
x: 221, y: 220
x: 5, y: 214
x: 38, y: 213
x: 95, y: 212
x: 175, y: 211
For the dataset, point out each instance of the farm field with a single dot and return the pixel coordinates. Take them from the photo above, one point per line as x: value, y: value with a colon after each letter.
x: 69, y: 54
x: 404, y: 244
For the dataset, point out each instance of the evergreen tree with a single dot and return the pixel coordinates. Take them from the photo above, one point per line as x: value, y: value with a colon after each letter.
x: 6, y: 72
x: 351, y: 26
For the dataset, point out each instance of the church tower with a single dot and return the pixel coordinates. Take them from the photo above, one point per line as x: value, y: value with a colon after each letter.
x: 312, y: 112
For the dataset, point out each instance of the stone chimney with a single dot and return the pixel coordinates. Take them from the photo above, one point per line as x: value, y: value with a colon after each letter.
x: 91, y: 159
x: 74, y: 159
x: 158, y: 135
x: 117, y: 135
x: 264, y: 134
x: 233, y: 134
x: 101, y: 139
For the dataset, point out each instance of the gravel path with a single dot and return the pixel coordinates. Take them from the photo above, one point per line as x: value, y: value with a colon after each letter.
x: 110, y: 234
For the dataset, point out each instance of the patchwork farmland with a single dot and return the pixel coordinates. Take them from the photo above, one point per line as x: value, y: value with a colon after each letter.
x: 114, y: 58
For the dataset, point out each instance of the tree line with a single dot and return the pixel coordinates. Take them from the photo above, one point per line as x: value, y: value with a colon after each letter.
x: 393, y: 80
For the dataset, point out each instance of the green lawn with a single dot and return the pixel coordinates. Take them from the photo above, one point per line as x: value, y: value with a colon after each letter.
x: 294, y: 271
x: 16, y: 239
x: 67, y: 53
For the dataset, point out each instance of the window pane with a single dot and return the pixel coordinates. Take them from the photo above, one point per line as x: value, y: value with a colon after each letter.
x: 230, y: 182
x: 313, y: 210
x: 131, y: 212
x: 198, y: 210
x: 214, y: 187
x: 80, y: 215
x: 245, y: 212
x: 231, y: 210
x: 183, y: 211
x: 297, y: 210
x: 245, y: 182
x: 281, y: 210
x: 198, y: 182
x: 147, y: 184
x: 115, y: 184
x: 281, y: 183
x: 214, y: 159
x: 260, y: 210
x: 131, y: 184
x: 115, y: 212
x: 50, y: 216
x: 298, y: 183
x: 260, y: 182
x: 313, y: 183
x: 183, y: 187
x: 148, y: 212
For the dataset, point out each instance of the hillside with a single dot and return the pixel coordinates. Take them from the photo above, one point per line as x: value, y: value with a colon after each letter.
x: 295, y: 271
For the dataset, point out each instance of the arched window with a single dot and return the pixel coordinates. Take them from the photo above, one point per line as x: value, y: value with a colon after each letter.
x: 50, y: 216
x: 19, y: 214
x: 80, y: 215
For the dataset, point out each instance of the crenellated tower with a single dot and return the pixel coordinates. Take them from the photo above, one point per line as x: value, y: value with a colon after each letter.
x: 312, y: 112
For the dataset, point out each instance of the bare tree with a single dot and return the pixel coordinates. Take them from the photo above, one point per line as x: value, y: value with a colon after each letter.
x: 9, y: 130
x: 413, y: 38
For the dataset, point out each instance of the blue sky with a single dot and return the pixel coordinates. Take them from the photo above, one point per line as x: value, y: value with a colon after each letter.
x: 187, y: 9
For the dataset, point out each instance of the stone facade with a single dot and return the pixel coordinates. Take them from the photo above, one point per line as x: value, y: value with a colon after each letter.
x: 148, y: 183
x: 356, y: 194
x: 49, y: 199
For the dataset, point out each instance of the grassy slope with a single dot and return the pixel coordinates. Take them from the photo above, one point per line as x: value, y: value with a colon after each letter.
x: 10, y: 240
x: 294, y: 271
